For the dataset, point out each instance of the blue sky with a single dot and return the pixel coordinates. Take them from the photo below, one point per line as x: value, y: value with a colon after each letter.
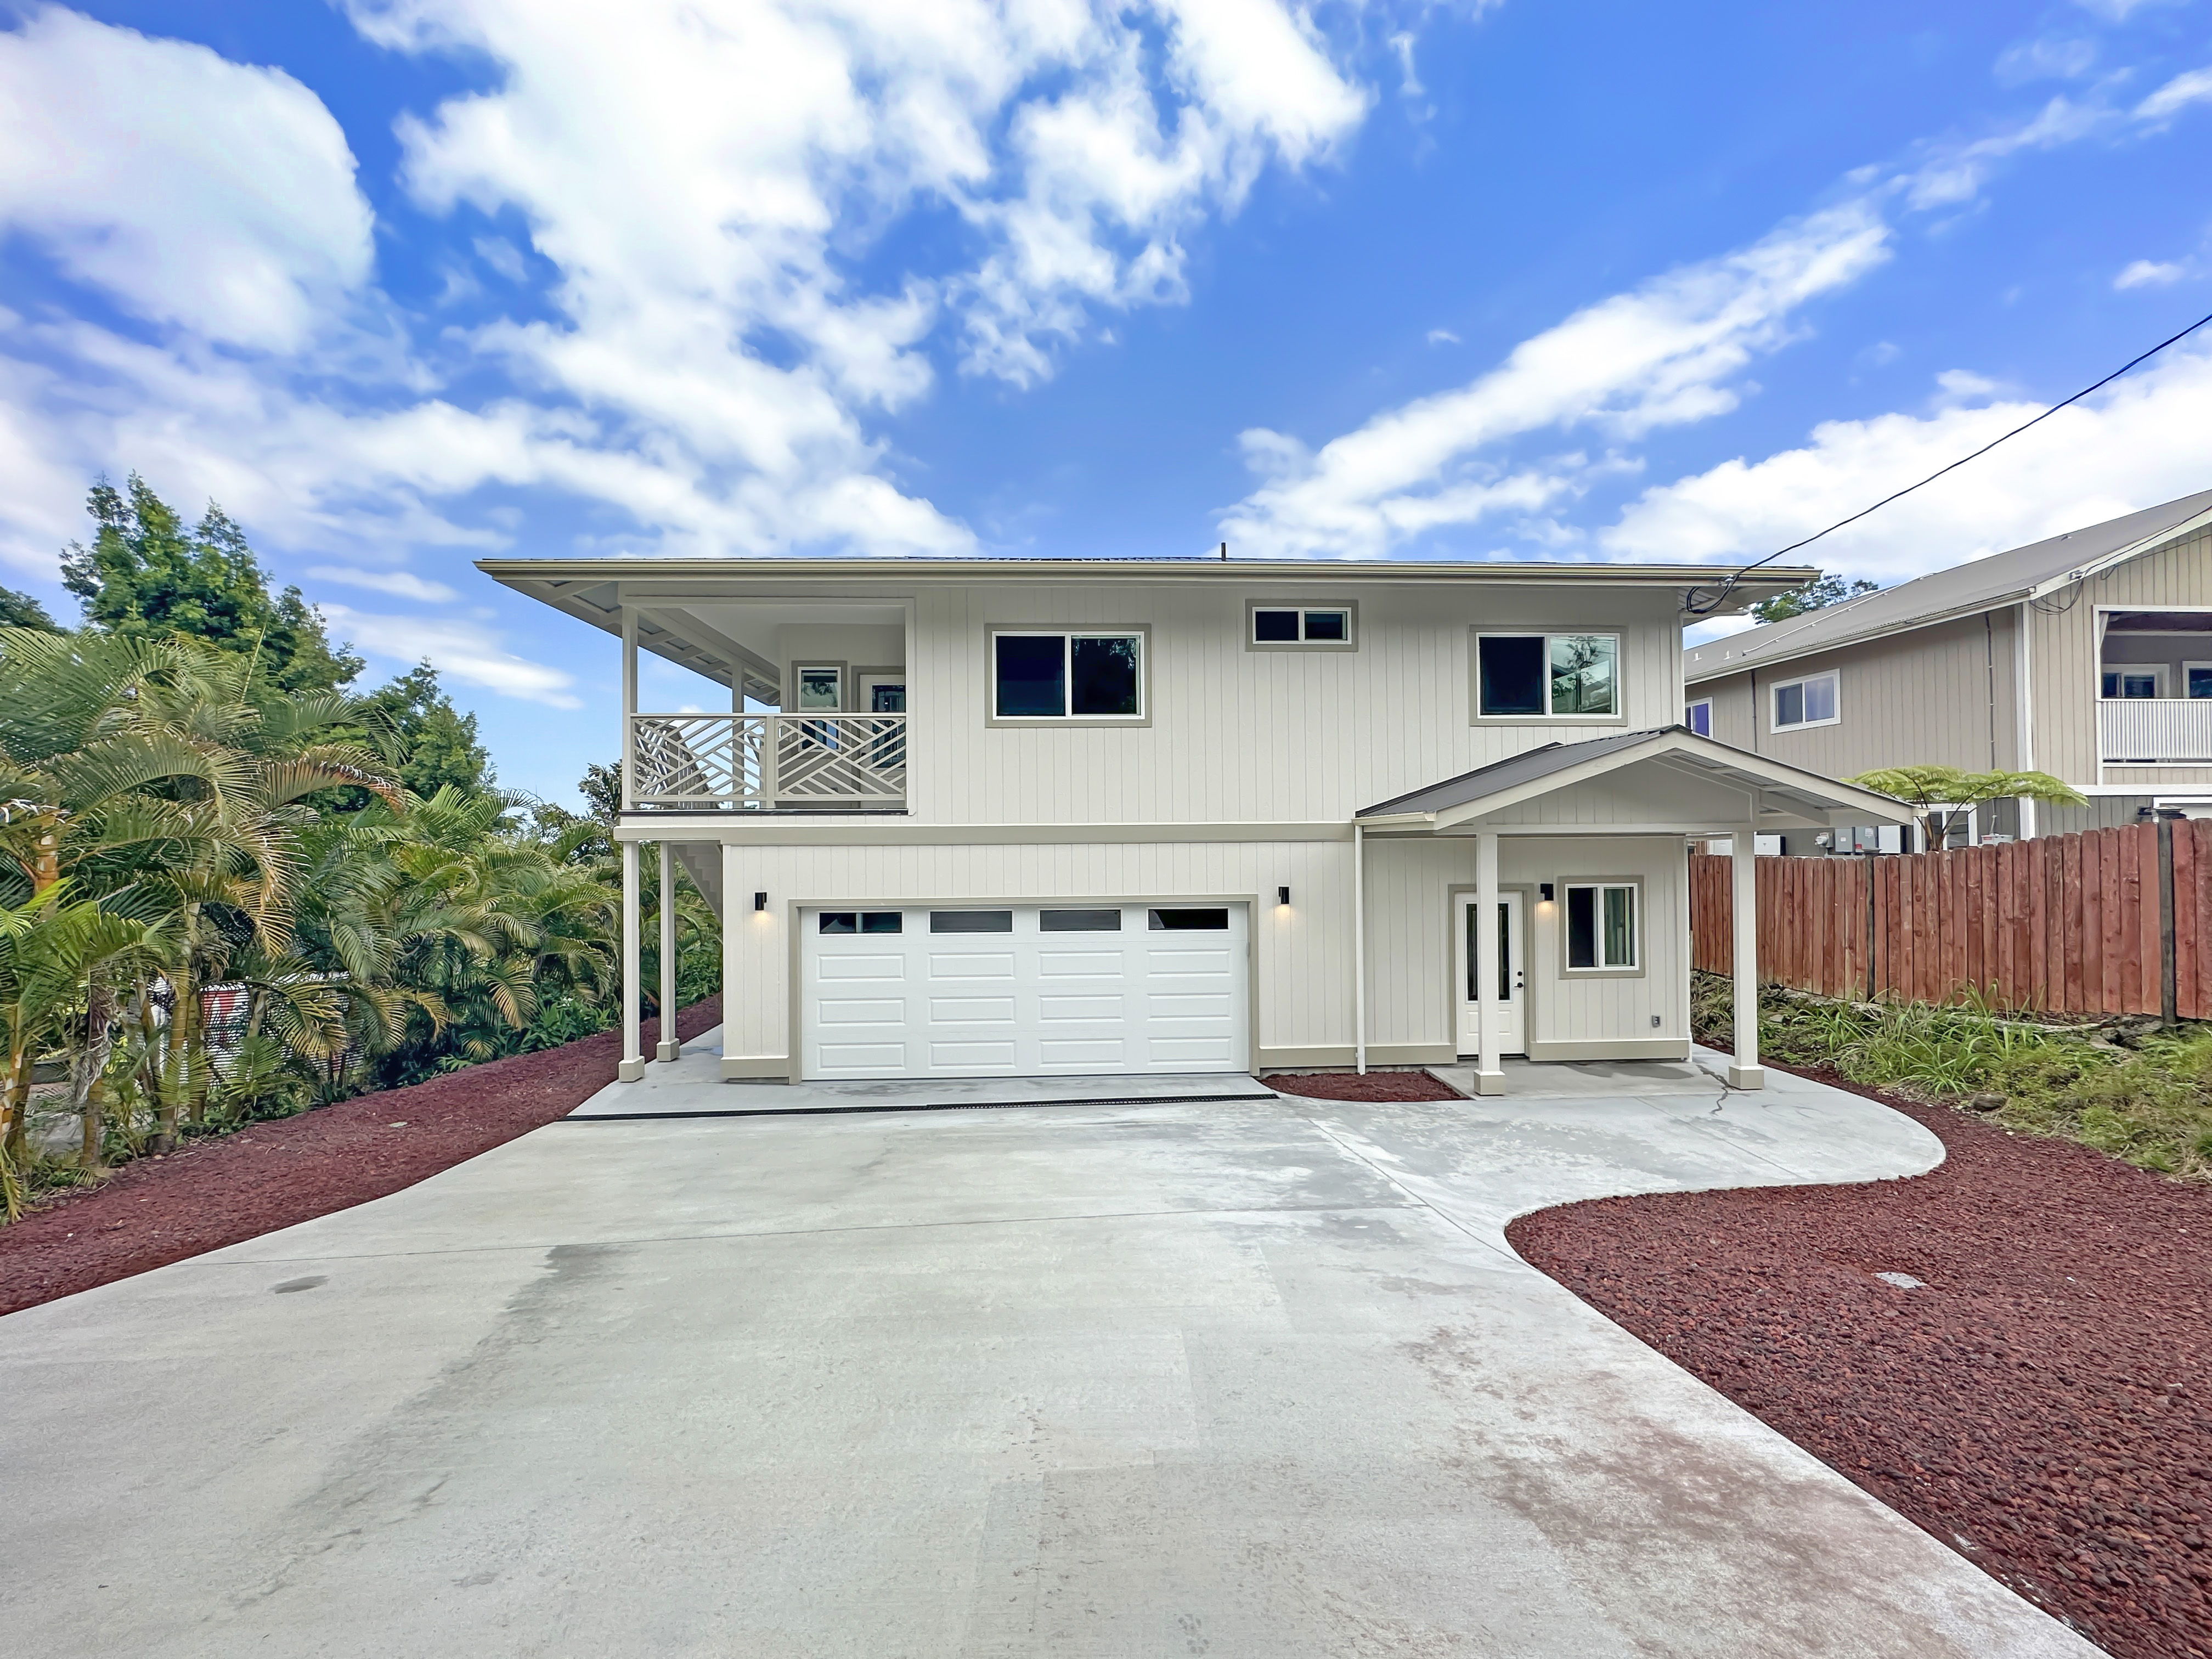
x: 402, y: 282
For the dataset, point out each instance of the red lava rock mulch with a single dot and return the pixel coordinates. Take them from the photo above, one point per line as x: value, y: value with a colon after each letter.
x: 217, y: 1192
x: 1349, y: 1085
x: 2041, y: 1404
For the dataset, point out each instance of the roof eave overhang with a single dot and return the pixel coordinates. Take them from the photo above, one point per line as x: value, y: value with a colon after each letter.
x: 1806, y: 798
x: 1784, y: 652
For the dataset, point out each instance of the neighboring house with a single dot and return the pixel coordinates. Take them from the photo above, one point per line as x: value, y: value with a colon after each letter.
x: 1029, y: 818
x: 2088, y: 656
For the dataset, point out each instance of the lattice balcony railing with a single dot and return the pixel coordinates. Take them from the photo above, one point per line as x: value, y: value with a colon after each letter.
x: 767, y: 763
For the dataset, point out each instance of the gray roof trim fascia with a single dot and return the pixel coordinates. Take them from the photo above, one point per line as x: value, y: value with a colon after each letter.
x: 2133, y: 551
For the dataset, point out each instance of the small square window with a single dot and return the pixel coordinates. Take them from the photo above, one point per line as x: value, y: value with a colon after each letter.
x: 1275, y: 627
x: 1810, y: 701
x: 1602, y: 927
x: 1104, y: 681
x: 1699, y: 717
x: 1332, y: 626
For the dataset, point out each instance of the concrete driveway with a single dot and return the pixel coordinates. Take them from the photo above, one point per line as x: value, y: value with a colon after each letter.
x: 1254, y: 1378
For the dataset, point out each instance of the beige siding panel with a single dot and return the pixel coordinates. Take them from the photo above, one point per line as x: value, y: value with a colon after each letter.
x: 1300, y: 953
x: 1241, y: 736
x: 1934, y: 696
x: 1567, y: 1008
x: 2063, y: 630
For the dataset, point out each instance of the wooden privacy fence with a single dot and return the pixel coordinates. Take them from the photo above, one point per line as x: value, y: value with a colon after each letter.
x: 2087, y: 924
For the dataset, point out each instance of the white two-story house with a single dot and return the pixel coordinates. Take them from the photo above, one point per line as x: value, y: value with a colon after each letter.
x: 1085, y: 818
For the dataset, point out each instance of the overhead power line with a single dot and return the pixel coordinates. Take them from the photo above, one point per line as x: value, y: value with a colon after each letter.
x: 1720, y: 597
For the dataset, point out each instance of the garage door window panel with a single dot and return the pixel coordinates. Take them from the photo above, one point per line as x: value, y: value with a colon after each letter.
x: 971, y: 921
x: 1079, y: 921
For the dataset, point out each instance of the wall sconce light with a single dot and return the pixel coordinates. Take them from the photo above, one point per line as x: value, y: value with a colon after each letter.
x: 1543, y: 892
x: 1282, y: 896
x: 760, y: 900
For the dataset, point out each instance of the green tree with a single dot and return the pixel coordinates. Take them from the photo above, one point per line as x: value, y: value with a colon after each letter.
x: 21, y: 611
x: 1944, y: 792
x: 1814, y: 596
x: 146, y: 575
x: 438, y: 741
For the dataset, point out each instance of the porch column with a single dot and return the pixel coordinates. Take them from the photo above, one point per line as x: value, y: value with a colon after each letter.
x: 737, y: 913
x: 1489, y: 1073
x: 670, y: 1046
x: 1359, y: 947
x: 632, y: 1064
x: 1743, y: 869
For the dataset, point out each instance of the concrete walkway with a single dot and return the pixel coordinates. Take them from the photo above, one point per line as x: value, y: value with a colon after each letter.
x: 1252, y: 1378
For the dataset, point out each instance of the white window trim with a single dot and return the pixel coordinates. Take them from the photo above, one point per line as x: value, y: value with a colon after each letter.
x: 1950, y: 822
x: 2156, y: 670
x: 1304, y: 608
x: 1691, y: 707
x: 1620, y: 715
x: 1068, y: 636
x: 2185, y: 667
x: 1774, y: 703
x: 1601, y: 885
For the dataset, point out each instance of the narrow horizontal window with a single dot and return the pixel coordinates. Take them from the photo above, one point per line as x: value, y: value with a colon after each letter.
x: 882, y: 921
x: 838, y: 921
x: 1602, y: 927
x: 1190, y: 921
x: 971, y: 921
x: 1304, y: 624
x: 1079, y: 921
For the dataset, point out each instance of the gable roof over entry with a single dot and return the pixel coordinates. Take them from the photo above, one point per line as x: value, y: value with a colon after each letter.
x: 1685, y: 781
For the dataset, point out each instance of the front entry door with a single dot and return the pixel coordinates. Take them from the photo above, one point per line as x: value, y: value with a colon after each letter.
x: 1509, y: 1011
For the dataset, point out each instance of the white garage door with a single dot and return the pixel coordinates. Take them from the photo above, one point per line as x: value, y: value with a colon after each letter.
x: 1024, y: 990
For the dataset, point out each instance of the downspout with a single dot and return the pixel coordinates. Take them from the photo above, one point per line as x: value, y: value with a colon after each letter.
x: 1359, y: 946
x: 2023, y: 699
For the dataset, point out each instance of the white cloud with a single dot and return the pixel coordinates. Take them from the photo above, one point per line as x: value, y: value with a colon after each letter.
x: 459, y: 650
x: 2194, y: 87
x: 2149, y: 273
x: 1443, y: 336
x: 2135, y: 445
x: 1665, y: 354
x: 400, y: 584
x: 2046, y: 58
x: 194, y: 191
x: 695, y: 181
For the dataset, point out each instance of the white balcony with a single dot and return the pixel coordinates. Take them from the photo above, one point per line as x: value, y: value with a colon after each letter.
x: 2155, y: 730
x: 766, y: 763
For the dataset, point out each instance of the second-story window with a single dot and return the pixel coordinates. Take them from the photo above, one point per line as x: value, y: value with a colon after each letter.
x: 1273, y: 626
x: 1547, y: 675
x: 1699, y: 717
x: 1068, y: 676
x: 1808, y: 702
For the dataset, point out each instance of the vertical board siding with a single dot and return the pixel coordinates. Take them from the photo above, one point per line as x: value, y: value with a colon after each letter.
x: 2063, y: 924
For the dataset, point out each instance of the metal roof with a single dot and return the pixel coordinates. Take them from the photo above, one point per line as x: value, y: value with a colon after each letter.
x: 1967, y: 589
x: 1675, y: 746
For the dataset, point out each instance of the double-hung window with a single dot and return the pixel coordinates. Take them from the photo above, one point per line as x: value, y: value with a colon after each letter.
x: 1808, y: 702
x: 1271, y: 626
x: 1547, y: 675
x: 1092, y: 675
x: 1602, y: 927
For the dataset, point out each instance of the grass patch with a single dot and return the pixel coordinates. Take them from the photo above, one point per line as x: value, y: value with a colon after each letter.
x: 2144, y: 1098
